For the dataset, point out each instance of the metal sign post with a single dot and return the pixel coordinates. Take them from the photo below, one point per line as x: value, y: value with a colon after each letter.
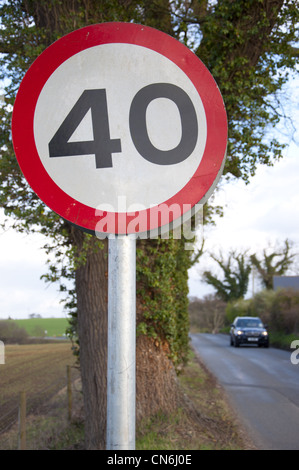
x: 122, y: 131
x: 121, y: 371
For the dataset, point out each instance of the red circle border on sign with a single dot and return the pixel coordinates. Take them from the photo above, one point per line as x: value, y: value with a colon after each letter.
x: 200, y: 184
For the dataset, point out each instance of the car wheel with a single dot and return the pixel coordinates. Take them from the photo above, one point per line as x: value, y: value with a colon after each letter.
x: 231, y: 341
x: 236, y: 344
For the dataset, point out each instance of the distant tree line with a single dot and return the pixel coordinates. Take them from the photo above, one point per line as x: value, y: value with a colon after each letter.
x: 11, y: 333
x: 236, y: 267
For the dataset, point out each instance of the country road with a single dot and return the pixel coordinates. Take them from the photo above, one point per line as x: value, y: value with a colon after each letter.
x: 262, y: 386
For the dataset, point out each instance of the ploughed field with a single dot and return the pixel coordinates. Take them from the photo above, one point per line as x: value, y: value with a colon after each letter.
x: 37, y: 369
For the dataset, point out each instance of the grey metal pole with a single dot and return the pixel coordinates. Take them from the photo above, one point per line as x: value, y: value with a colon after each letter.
x: 121, y: 371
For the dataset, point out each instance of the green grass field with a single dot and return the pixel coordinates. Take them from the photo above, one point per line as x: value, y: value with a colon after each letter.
x: 44, y: 326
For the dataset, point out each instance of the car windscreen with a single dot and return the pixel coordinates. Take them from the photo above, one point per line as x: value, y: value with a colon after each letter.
x: 249, y: 323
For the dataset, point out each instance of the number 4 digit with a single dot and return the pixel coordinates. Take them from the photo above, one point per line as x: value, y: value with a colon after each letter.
x: 102, y: 146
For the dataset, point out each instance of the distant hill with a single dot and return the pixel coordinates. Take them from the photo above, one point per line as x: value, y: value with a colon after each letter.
x: 44, y: 327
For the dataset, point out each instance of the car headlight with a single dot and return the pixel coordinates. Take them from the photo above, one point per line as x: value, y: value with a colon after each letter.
x: 265, y: 333
x: 239, y: 332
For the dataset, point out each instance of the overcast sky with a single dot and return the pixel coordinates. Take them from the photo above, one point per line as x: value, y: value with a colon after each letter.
x: 266, y: 210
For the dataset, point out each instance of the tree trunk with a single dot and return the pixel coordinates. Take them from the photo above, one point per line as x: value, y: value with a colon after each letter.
x: 156, y: 383
x: 91, y: 288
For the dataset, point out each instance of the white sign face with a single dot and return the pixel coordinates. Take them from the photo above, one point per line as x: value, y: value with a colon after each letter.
x: 121, y: 70
x: 118, y: 127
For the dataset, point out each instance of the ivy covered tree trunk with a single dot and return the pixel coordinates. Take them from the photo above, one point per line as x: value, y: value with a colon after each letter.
x: 162, y: 323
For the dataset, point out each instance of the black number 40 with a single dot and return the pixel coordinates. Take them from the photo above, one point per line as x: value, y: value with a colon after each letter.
x: 102, y: 146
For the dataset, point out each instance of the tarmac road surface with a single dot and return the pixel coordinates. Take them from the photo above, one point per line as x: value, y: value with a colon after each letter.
x: 262, y: 385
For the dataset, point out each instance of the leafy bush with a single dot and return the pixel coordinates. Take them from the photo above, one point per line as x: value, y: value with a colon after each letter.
x: 237, y: 308
x: 281, y: 340
x: 284, y: 315
x: 261, y: 305
x: 207, y: 314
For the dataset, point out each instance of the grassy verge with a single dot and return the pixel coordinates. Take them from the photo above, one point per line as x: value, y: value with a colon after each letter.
x: 203, y: 422
x: 282, y: 341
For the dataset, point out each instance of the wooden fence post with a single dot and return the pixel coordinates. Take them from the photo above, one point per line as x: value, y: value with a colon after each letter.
x: 22, y: 421
x: 69, y: 392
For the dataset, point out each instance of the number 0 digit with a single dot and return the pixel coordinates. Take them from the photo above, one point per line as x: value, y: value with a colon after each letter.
x: 138, y: 126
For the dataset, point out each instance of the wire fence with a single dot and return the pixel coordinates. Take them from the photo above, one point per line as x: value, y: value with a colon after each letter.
x: 8, y: 419
x: 40, y: 401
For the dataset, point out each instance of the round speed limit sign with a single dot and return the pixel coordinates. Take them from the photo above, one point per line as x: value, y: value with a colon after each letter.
x: 117, y: 123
